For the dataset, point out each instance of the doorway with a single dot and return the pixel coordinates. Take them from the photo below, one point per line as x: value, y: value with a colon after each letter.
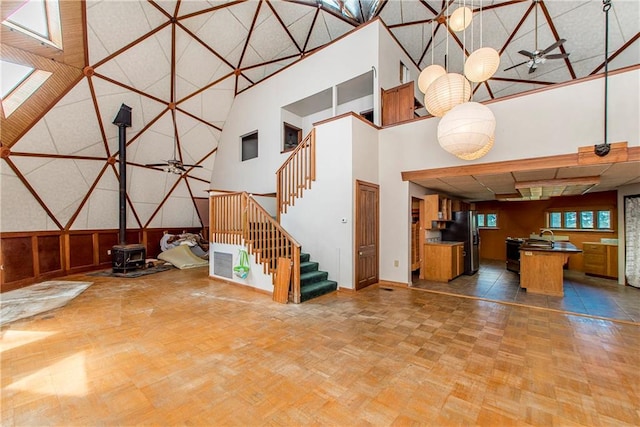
x: 367, y: 218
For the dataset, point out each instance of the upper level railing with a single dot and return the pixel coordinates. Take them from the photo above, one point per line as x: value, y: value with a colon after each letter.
x: 237, y: 219
x: 296, y: 173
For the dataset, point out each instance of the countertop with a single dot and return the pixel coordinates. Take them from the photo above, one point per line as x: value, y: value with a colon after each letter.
x: 557, y: 247
x: 445, y: 243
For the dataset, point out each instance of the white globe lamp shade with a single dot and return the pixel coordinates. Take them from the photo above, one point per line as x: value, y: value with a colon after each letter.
x: 482, y: 64
x: 460, y: 18
x: 429, y: 75
x: 445, y: 93
x: 467, y: 131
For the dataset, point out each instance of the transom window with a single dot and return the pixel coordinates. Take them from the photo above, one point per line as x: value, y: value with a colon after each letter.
x: 580, y: 219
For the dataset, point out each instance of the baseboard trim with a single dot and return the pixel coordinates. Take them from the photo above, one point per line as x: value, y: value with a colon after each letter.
x: 242, y: 285
x: 389, y: 283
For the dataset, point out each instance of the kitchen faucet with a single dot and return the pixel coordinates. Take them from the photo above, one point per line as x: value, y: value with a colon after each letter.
x: 546, y: 230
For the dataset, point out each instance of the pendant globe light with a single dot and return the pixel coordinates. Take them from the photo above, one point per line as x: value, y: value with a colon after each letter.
x: 483, y: 62
x: 446, y: 92
x: 429, y: 75
x: 432, y: 72
x: 467, y: 131
x: 460, y: 19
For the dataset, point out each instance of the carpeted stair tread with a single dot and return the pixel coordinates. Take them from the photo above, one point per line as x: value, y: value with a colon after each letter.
x: 305, y: 257
x: 308, y: 266
x: 316, y: 289
x: 310, y: 277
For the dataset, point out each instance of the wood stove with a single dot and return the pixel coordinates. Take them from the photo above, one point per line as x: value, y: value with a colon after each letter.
x: 126, y: 258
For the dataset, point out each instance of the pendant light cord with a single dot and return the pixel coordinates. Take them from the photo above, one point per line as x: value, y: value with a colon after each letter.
x: 604, y: 148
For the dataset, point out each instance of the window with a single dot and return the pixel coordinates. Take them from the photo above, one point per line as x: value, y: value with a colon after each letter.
x: 570, y: 220
x: 250, y: 146
x: 488, y: 220
x: 583, y: 219
x: 404, y: 73
x: 292, y: 137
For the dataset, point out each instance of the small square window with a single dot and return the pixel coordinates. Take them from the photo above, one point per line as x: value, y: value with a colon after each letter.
x: 555, y: 220
x: 492, y: 220
x: 571, y: 220
x: 292, y: 137
x: 480, y: 219
x: 586, y: 219
x: 604, y: 219
x: 250, y: 146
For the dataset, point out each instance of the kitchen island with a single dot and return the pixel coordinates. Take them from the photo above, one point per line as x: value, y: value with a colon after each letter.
x: 541, y: 267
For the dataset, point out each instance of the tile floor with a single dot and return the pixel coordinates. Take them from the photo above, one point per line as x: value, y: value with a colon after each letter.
x: 587, y: 295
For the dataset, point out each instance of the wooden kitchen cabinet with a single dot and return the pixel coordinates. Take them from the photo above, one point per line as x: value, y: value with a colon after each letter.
x: 442, y: 261
x: 434, y: 204
x: 600, y: 259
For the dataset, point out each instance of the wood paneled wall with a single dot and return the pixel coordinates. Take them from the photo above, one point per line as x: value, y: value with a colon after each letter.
x: 32, y: 257
x: 520, y: 219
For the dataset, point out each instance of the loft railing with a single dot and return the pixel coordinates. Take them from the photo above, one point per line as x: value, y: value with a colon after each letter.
x: 296, y: 173
x: 237, y: 219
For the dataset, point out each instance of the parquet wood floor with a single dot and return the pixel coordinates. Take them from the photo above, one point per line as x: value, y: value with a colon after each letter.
x: 178, y: 348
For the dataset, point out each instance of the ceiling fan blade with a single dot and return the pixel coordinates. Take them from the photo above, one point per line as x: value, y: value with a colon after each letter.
x: 532, y: 69
x: 514, y: 66
x: 192, y: 166
x: 553, y: 46
x: 557, y: 56
x: 526, y: 53
x: 156, y: 164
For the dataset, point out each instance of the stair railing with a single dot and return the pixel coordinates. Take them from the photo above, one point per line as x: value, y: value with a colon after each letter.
x: 236, y: 218
x: 296, y: 173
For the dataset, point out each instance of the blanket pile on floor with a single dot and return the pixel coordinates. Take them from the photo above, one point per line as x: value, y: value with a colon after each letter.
x: 39, y: 298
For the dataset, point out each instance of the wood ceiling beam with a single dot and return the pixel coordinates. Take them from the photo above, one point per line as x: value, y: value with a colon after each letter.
x: 508, y: 166
x: 283, y: 25
x: 556, y: 36
x: 617, y: 52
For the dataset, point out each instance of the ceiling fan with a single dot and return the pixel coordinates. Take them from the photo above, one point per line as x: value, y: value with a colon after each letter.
x: 538, y: 57
x: 174, y: 165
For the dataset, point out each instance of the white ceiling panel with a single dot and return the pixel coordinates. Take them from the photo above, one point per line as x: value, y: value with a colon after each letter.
x: 210, y: 47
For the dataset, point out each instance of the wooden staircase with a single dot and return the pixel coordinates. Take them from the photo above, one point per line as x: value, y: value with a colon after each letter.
x: 313, y: 282
x: 236, y: 218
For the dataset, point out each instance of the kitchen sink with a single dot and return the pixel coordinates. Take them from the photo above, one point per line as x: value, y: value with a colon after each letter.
x: 538, y: 243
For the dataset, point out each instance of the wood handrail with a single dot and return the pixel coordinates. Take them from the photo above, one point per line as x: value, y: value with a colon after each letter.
x: 236, y: 218
x: 296, y: 173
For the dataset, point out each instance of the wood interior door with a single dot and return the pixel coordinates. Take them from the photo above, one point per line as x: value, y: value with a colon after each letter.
x: 367, y: 235
x: 398, y: 104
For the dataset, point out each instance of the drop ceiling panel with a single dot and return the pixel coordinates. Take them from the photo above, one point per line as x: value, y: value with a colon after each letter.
x: 499, y: 184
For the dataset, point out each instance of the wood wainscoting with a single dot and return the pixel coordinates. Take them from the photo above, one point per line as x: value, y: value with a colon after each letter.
x: 30, y: 257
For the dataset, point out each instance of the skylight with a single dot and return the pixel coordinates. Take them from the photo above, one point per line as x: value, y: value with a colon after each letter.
x: 12, y: 76
x: 19, y: 82
x: 32, y: 16
x: 360, y: 10
x: 39, y: 19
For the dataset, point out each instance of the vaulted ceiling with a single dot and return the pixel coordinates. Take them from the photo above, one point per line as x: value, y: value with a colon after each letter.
x: 179, y: 65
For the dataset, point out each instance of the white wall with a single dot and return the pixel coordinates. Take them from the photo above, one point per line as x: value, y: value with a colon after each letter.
x: 315, y: 220
x: 255, y: 279
x: 548, y: 123
x: 259, y: 108
x: 390, y: 56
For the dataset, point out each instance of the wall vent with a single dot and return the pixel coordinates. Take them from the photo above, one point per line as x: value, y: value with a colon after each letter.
x: 223, y: 264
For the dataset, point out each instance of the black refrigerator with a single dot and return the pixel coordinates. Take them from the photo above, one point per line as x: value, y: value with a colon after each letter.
x: 464, y: 228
